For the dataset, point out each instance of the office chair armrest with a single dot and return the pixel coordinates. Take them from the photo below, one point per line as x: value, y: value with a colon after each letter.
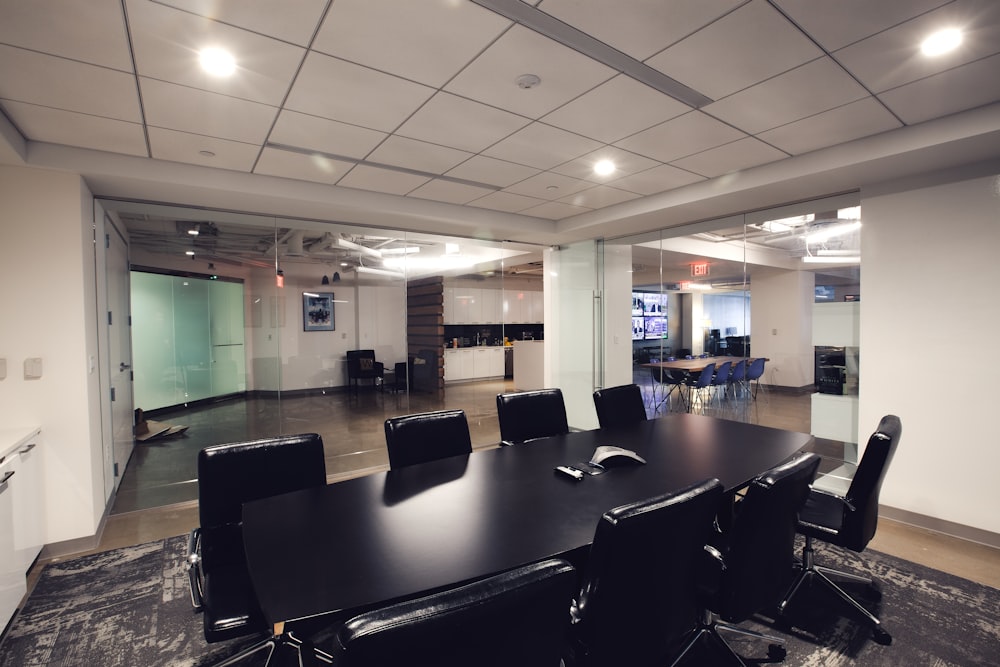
x: 194, y: 569
x: 506, y: 443
x: 830, y: 494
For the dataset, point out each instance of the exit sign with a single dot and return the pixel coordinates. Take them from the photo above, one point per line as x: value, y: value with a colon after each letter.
x: 699, y: 270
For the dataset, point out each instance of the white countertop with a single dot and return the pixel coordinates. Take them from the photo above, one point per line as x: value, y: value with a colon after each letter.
x: 12, y: 438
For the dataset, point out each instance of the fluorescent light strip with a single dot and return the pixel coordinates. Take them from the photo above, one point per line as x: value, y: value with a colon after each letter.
x: 551, y: 27
x: 810, y: 259
x: 364, y: 250
x: 378, y: 272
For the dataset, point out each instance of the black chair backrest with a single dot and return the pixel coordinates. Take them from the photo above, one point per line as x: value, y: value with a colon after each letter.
x: 426, y: 437
x: 617, y: 406
x: 232, y: 474
x: 525, y: 415
x: 361, y: 363
x: 638, y: 594
x: 759, y: 545
x: 860, y: 524
x: 518, y: 618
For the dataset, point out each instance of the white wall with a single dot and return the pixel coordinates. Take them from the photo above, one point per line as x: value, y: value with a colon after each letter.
x: 49, y: 310
x: 617, y: 303
x: 781, y: 312
x: 928, y: 317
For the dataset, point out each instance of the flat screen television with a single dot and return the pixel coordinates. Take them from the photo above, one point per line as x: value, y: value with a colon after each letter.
x: 638, y: 328
x: 655, y: 327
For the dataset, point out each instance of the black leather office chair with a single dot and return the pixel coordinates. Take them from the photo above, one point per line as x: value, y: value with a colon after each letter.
x: 747, y: 565
x: 849, y: 521
x: 526, y: 415
x: 426, y: 437
x: 228, y: 476
x: 619, y: 406
x: 361, y: 365
x: 517, y: 618
x: 638, y: 599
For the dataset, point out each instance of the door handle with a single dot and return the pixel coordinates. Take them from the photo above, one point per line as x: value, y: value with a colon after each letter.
x: 123, y: 367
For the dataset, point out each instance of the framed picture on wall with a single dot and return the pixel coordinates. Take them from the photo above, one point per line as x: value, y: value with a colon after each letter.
x: 317, y: 311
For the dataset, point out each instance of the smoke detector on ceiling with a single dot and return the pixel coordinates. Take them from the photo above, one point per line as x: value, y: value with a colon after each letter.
x: 527, y: 81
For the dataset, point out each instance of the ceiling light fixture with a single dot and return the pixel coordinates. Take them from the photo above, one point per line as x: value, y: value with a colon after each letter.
x: 941, y: 42
x: 831, y: 232
x: 604, y: 168
x: 544, y: 24
x: 377, y: 272
x: 810, y: 259
x: 216, y: 61
x: 364, y: 250
x: 189, y: 253
x: 409, y: 250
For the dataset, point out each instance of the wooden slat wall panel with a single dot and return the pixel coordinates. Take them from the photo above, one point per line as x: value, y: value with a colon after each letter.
x: 425, y: 329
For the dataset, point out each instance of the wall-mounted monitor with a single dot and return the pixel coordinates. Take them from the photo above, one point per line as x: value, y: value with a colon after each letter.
x: 655, y: 327
x: 638, y: 328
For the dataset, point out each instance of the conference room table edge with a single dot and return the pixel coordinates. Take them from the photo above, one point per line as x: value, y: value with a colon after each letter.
x: 333, y: 551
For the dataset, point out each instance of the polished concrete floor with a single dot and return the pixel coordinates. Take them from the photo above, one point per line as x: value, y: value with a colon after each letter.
x: 158, y: 493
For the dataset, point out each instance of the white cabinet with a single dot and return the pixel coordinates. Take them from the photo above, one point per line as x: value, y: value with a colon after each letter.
x: 449, y: 305
x: 536, y: 308
x: 488, y: 362
x: 490, y: 306
x: 473, y: 305
x: 467, y: 305
x: 29, y: 503
x: 473, y: 363
x: 12, y: 582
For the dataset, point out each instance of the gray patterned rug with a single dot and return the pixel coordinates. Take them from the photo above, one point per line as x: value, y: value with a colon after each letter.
x: 130, y: 607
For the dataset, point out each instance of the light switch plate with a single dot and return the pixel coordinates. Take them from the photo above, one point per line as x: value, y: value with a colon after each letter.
x: 32, y: 368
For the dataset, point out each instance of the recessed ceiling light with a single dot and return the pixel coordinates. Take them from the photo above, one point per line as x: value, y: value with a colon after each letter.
x: 189, y: 253
x: 604, y: 168
x: 217, y: 62
x: 941, y: 42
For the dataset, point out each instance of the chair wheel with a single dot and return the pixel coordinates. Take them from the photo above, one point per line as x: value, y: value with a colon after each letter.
x: 873, y: 592
x: 776, y: 652
x: 881, y: 636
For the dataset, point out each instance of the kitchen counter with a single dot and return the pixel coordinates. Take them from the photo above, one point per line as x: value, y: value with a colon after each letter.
x: 529, y: 365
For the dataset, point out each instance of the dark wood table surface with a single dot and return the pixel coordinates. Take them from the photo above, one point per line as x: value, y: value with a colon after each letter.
x: 695, y: 365
x: 394, y: 535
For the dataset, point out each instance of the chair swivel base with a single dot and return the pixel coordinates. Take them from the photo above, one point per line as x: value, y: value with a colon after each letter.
x: 272, y: 643
x: 708, y: 630
x: 811, y: 572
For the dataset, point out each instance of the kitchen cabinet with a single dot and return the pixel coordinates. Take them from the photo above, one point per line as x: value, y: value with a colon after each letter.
x: 473, y: 305
x: 473, y: 363
x: 29, y: 503
x: 22, y: 518
x: 13, y: 584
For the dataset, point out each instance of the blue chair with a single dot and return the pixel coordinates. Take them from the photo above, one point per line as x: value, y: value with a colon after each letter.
x: 703, y: 381
x: 754, y: 371
x: 739, y: 375
x: 720, y: 381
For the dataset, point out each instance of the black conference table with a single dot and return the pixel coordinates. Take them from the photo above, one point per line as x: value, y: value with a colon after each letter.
x: 390, y: 536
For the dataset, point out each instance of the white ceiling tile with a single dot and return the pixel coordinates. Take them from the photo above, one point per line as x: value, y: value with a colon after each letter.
x: 182, y: 147
x: 343, y: 91
x: 810, y: 89
x: 564, y: 73
x: 616, y: 109
x: 964, y: 87
x: 851, y: 121
x: 484, y: 169
x: 691, y: 133
x: 365, y: 177
x: 598, y: 197
x: 419, y: 155
x: 657, y: 179
x: 548, y: 185
x: 175, y: 107
x: 554, y: 210
x: 837, y: 24
x: 289, y: 20
x: 748, y: 152
x: 625, y: 163
x: 893, y: 58
x: 286, y: 164
x: 324, y: 135
x: 55, y: 126
x: 449, y: 120
x: 167, y: 41
x: 505, y: 201
x: 639, y: 28
x: 745, y: 47
x: 69, y: 28
x: 542, y: 146
x: 385, y: 35
x: 448, y: 191
x: 36, y: 78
